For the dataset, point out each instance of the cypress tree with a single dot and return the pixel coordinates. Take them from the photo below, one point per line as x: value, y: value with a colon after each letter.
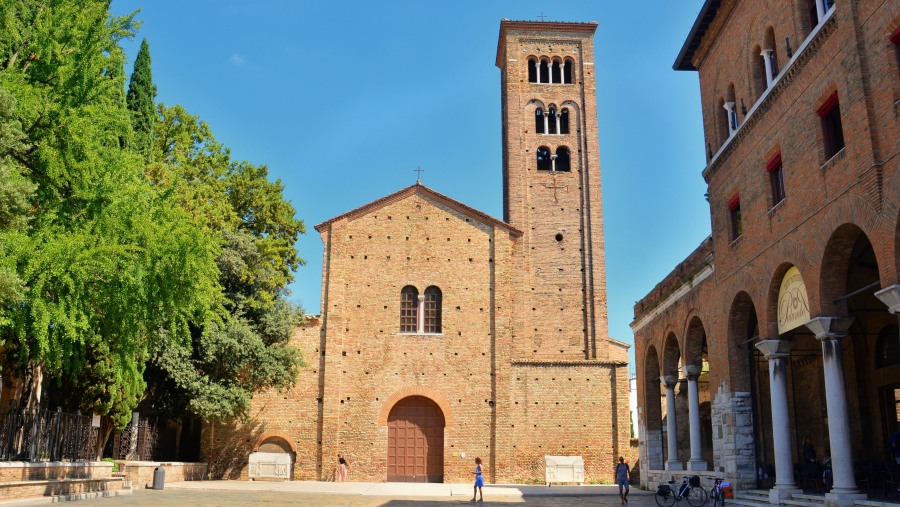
x: 141, y: 101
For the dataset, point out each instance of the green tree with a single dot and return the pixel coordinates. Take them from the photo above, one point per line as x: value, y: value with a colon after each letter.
x: 15, y: 195
x: 247, y: 350
x: 109, y: 264
x: 140, y: 100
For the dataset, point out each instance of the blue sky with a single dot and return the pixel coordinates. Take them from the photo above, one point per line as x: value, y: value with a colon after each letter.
x: 343, y: 100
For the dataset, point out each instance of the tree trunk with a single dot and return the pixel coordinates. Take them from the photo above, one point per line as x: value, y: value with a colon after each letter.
x: 106, y: 428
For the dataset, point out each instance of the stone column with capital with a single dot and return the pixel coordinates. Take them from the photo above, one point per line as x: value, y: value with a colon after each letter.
x: 778, y: 352
x: 770, y: 72
x: 820, y: 10
x: 673, y: 463
x: 830, y: 331
x: 891, y: 297
x: 693, y: 373
x: 732, y: 118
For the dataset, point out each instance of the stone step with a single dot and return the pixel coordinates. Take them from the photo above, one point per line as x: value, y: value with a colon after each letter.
x: 752, y: 493
x: 748, y: 502
x: 804, y: 502
x: 875, y: 503
x: 61, y: 489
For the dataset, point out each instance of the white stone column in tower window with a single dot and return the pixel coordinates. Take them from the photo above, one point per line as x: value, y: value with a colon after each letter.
x: 831, y: 331
x: 672, y: 463
x: 562, y: 72
x: 553, y: 161
x: 732, y: 118
x: 420, y: 313
x: 766, y: 55
x: 778, y: 352
x: 693, y: 373
x: 558, y: 127
x: 547, y: 122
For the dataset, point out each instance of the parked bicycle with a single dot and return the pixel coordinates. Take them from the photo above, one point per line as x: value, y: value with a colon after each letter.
x: 689, y: 490
x: 716, y: 494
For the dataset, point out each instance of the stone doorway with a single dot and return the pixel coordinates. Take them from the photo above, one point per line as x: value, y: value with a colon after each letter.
x: 416, y: 441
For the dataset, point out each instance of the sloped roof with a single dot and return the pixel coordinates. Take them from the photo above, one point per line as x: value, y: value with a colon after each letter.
x: 422, y: 190
x: 695, y: 37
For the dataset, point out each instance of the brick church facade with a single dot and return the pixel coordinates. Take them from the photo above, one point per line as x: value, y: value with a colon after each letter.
x: 446, y: 334
x: 783, y: 324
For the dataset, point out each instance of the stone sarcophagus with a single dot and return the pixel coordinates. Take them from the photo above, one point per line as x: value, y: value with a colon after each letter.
x: 270, y: 465
x: 563, y: 469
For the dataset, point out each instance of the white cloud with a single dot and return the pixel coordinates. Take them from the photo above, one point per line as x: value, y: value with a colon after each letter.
x: 237, y: 59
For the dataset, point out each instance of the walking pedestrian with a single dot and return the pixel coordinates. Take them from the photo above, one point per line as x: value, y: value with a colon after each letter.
x: 342, y: 468
x: 479, y: 481
x: 622, y: 472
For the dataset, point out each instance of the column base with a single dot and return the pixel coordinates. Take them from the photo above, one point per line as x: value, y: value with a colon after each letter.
x: 779, y: 493
x: 843, y: 498
x: 697, y: 464
x: 674, y: 465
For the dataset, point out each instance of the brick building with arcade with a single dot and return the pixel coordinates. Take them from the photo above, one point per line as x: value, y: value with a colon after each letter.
x: 783, y: 324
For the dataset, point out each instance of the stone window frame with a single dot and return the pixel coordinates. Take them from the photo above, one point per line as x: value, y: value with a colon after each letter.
x: 409, y: 309
x: 550, y: 70
x: 832, y: 128
x: 775, y: 168
x: 734, y: 217
x: 421, y: 314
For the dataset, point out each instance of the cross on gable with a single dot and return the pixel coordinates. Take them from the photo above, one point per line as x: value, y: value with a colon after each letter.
x: 418, y: 170
x: 542, y: 17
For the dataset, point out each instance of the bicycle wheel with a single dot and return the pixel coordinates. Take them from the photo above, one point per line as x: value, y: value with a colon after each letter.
x: 718, y: 498
x: 696, y: 497
x: 666, y: 499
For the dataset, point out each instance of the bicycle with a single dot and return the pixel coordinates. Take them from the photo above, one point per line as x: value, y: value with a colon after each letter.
x: 689, y: 490
x: 716, y: 494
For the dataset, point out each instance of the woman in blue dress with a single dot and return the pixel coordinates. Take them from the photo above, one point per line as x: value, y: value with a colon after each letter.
x: 479, y: 481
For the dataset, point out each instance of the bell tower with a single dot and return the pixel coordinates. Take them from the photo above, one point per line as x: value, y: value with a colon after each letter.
x: 551, y: 187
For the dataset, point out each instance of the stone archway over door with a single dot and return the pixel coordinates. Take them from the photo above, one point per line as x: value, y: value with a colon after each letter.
x: 415, y: 441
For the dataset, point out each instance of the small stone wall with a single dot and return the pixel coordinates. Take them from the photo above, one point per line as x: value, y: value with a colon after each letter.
x: 54, y: 470
x: 140, y: 473
x: 733, y: 449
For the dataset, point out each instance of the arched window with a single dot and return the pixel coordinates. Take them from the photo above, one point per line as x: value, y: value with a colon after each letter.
x: 722, y: 121
x: 553, y: 121
x: 432, y: 310
x: 544, y: 73
x: 770, y: 55
x: 409, y: 309
x: 568, y: 65
x: 539, y: 121
x: 556, y: 76
x: 758, y: 69
x: 543, y: 159
x: 562, y: 161
x: 887, y: 350
x: 532, y: 70
x: 564, y: 121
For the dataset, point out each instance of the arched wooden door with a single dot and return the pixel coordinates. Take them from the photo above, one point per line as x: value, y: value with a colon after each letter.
x: 415, y: 441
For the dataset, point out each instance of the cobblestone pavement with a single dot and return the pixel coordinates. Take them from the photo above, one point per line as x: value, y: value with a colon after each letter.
x: 238, y: 498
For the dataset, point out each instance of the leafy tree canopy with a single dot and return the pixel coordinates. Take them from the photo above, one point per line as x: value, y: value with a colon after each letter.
x: 109, y: 265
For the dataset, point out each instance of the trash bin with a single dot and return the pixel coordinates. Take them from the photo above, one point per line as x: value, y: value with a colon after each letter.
x: 159, y: 478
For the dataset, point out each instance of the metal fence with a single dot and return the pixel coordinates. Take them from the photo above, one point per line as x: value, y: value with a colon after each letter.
x: 51, y: 435
x: 45, y: 435
x: 135, y: 442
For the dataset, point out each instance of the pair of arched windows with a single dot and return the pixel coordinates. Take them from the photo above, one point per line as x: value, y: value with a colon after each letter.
x: 547, y: 71
x: 560, y: 161
x: 420, y: 314
x: 551, y: 121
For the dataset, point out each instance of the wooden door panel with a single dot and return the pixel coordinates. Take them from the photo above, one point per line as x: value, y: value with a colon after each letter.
x: 416, y: 441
